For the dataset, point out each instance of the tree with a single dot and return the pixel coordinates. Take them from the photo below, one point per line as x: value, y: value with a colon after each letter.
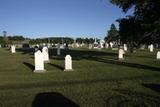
x: 112, y: 34
x: 1, y: 40
x: 146, y: 14
x: 16, y: 39
x: 130, y: 32
x: 79, y: 40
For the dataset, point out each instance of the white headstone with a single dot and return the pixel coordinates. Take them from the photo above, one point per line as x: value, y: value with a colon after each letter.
x: 13, y: 49
x: 58, y: 49
x: 102, y: 42
x: 45, y: 54
x: 125, y: 47
x: 158, y: 55
x: 111, y: 44
x: 49, y: 45
x: 106, y: 45
x: 77, y: 45
x: 39, y: 62
x: 151, y: 48
x: 68, y: 63
x: 101, y: 45
x: 44, y: 44
x: 121, y: 52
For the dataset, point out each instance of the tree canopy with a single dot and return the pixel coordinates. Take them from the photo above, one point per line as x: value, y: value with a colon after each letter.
x: 112, y: 34
x: 144, y: 25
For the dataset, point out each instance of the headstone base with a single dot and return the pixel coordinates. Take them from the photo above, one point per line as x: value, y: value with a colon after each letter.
x: 69, y: 70
x: 39, y: 71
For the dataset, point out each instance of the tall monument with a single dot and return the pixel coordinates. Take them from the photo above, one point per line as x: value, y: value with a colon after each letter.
x: 5, y: 38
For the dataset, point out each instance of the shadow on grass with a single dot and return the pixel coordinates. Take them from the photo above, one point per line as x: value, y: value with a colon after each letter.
x: 127, y: 64
x: 127, y: 98
x: 26, y: 51
x: 96, y: 56
x: 57, y: 66
x: 29, y: 65
x: 154, y: 87
x: 80, y: 54
x: 75, y: 82
x: 52, y: 99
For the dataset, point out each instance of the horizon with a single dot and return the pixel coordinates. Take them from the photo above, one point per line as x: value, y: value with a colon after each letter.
x: 59, y: 18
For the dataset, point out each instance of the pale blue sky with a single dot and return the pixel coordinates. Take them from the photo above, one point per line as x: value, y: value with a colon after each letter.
x: 53, y: 18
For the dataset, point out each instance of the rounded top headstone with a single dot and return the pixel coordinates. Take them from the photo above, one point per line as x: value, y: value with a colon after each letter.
x: 68, y: 57
x: 121, y: 51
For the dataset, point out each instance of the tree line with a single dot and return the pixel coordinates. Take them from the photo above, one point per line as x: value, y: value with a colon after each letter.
x: 20, y: 39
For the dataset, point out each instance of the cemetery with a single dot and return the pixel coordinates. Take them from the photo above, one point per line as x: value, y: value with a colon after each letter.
x: 83, y: 53
x: 92, y: 78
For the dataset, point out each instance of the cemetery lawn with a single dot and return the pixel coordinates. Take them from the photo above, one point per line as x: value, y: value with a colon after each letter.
x: 98, y: 79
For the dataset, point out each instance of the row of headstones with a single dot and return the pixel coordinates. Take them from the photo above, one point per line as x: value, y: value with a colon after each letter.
x: 43, y: 57
x: 150, y: 47
x: 122, y: 52
x: 13, y: 49
x: 46, y: 56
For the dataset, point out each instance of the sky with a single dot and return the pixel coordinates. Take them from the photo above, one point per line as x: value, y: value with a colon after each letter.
x: 58, y: 18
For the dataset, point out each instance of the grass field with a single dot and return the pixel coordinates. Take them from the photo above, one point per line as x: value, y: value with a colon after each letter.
x: 98, y: 80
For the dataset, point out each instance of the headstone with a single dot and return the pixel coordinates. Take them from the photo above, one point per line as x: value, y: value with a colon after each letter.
x: 39, y: 62
x: 45, y: 54
x: 142, y: 47
x: 48, y: 45
x: 101, y: 45
x: 43, y: 44
x: 111, y: 44
x: 62, y: 46
x: 90, y: 46
x: 125, y: 47
x: 102, y: 42
x: 121, y: 52
x: 58, y: 49
x: 68, y: 63
x: 158, y: 55
x: 151, y: 48
x: 73, y: 45
x: 106, y: 45
x: 13, y: 49
x: 77, y: 45
x: 95, y: 44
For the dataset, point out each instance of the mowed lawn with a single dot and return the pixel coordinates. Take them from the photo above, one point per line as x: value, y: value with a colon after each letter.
x: 98, y: 80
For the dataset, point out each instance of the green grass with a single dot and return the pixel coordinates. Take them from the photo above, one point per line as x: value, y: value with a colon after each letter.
x: 98, y: 79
